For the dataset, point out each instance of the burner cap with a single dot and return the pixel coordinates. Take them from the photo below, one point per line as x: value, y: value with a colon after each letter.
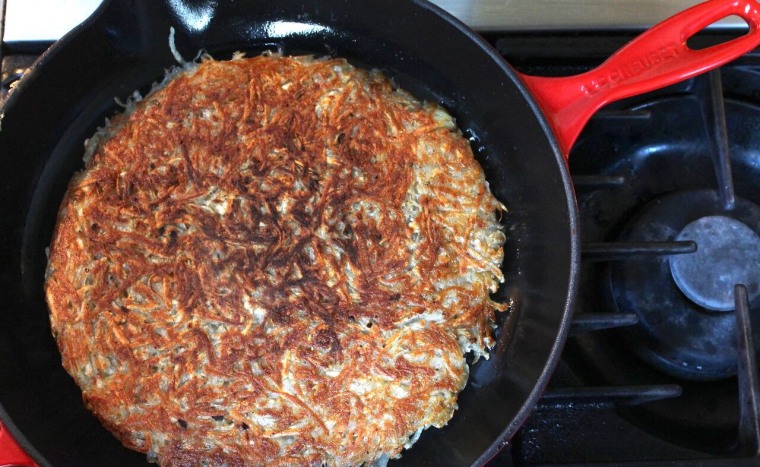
x: 728, y: 253
x: 676, y: 299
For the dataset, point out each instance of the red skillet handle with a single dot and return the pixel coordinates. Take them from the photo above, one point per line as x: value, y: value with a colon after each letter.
x: 655, y: 59
x: 10, y: 453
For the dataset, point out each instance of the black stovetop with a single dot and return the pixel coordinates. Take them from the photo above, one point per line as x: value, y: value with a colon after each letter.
x: 653, y: 372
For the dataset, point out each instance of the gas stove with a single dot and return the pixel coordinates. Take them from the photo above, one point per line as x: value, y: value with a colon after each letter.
x: 661, y: 365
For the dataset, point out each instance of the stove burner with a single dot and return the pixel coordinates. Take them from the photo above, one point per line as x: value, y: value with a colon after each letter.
x: 728, y: 253
x: 654, y: 163
x: 678, y: 331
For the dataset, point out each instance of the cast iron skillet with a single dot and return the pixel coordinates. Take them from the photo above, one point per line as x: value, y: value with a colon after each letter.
x: 124, y: 46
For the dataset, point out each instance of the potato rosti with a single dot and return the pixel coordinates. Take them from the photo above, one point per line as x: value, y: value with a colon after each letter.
x: 275, y: 260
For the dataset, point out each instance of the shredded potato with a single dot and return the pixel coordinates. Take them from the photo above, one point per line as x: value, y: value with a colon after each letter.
x: 275, y: 261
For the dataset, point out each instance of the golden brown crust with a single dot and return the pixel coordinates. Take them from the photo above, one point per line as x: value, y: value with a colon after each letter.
x: 276, y: 260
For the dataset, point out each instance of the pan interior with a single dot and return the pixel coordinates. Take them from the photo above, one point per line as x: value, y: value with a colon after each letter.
x: 125, y: 47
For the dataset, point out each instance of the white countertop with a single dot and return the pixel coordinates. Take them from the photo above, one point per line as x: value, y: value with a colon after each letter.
x: 44, y: 19
x: 50, y: 19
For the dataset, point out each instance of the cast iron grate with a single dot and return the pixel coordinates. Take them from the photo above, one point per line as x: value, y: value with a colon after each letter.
x: 582, y: 423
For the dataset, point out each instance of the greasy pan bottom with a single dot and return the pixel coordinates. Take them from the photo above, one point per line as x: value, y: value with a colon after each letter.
x: 125, y: 47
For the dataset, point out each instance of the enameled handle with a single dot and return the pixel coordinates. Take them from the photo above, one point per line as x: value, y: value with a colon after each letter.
x: 10, y: 452
x: 657, y: 58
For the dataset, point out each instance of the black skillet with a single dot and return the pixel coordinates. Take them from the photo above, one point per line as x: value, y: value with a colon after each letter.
x: 125, y: 46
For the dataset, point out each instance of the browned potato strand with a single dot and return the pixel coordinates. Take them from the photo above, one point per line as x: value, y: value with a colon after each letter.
x: 275, y: 261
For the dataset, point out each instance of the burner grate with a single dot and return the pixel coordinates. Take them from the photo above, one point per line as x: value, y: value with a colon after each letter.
x: 583, y: 419
x: 748, y: 442
x: 581, y: 416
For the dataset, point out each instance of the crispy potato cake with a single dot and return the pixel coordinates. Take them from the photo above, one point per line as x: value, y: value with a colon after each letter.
x: 275, y: 261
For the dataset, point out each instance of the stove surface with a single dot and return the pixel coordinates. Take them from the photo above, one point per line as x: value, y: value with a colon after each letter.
x: 660, y: 366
